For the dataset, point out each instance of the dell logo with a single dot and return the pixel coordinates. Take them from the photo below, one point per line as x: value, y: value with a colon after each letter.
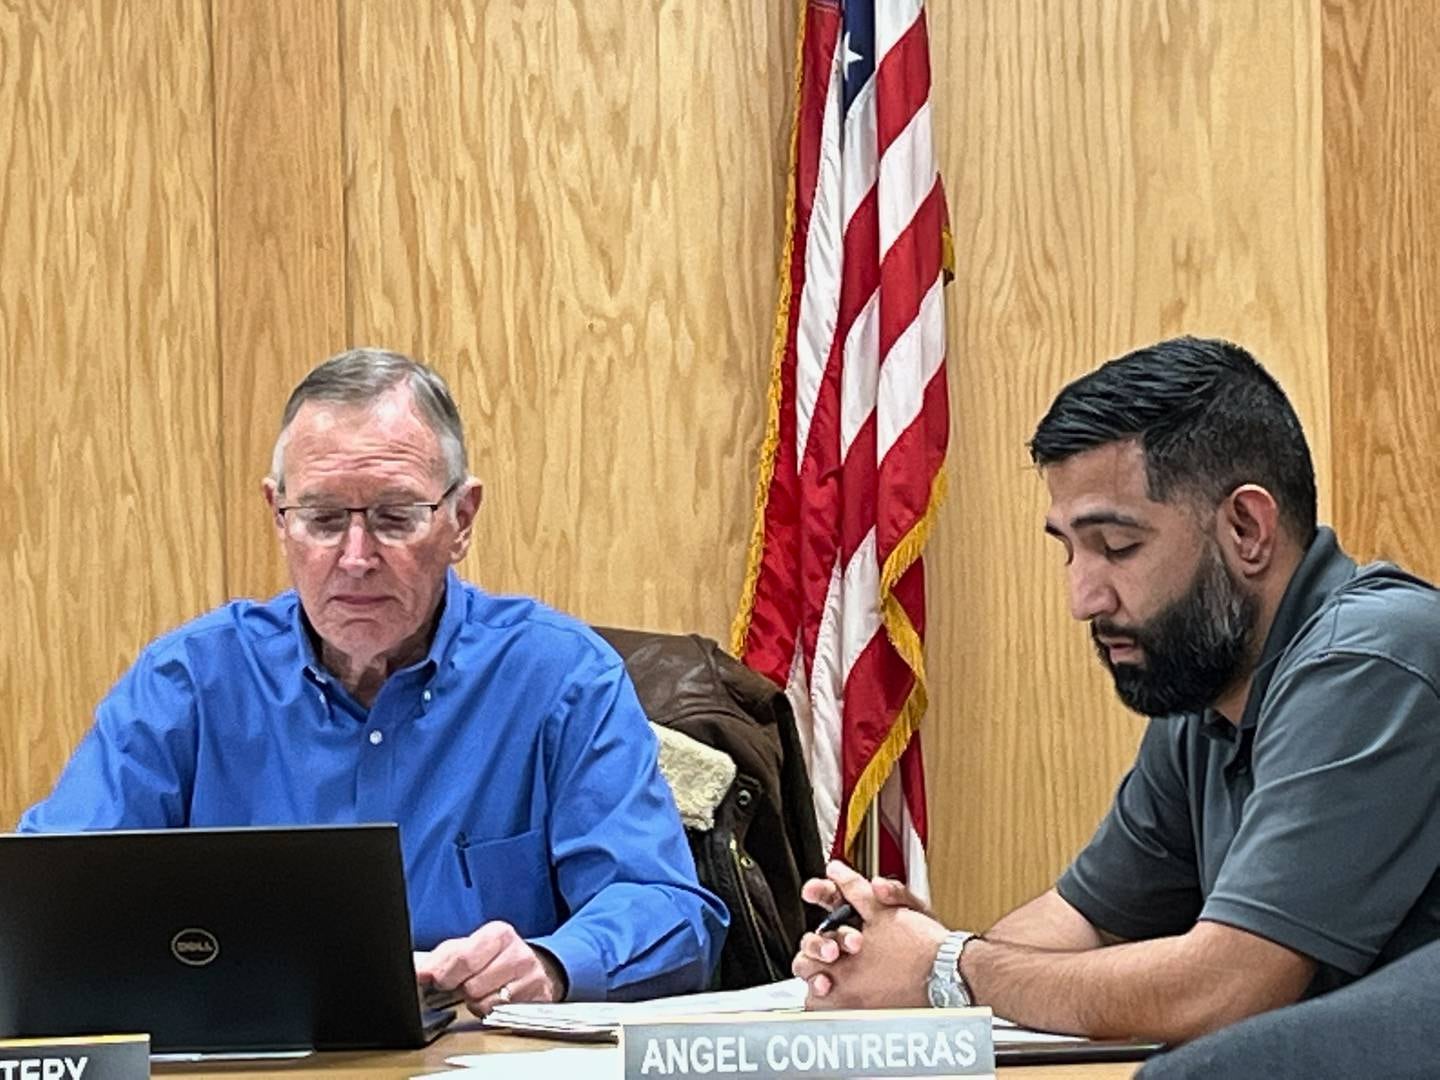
x: 195, y: 947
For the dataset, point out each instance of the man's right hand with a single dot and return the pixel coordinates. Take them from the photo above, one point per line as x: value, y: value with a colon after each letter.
x: 886, y: 963
x: 894, y: 893
x: 826, y: 894
x: 492, y: 966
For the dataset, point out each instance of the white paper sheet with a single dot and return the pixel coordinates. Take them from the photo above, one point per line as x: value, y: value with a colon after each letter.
x: 575, y: 1018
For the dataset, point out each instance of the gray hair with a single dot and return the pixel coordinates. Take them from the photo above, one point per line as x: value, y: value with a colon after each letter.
x: 361, y: 377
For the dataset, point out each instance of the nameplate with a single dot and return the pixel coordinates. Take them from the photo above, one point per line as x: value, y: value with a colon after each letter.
x: 840, y: 1045
x: 94, y: 1057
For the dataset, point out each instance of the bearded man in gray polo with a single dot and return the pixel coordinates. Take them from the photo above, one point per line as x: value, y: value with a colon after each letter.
x: 1279, y: 833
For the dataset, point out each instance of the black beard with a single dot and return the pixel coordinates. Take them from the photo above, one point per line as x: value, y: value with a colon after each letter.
x: 1195, y: 649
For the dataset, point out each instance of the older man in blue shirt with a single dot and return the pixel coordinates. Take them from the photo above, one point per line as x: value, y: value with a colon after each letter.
x: 543, y: 853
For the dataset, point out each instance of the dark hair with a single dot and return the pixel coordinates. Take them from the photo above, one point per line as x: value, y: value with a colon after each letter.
x: 1207, y: 416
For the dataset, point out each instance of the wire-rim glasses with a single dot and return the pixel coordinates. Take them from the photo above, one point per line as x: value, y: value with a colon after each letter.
x: 395, y: 524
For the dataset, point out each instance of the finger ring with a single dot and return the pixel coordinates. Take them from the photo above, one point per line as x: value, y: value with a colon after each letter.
x: 504, y: 994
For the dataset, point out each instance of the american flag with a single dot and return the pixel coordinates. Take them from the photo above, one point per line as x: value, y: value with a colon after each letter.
x: 851, y: 471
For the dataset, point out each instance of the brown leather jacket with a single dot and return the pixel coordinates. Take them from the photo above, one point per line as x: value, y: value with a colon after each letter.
x: 764, y: 843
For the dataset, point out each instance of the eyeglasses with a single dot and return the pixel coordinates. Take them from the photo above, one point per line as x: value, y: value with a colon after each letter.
x: 395, y: 524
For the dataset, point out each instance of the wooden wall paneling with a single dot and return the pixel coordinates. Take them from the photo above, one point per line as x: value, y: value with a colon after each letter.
x: 573, y: 210
x: 109, y: 443
x: 1117, y: 173
x: 1382, y: 157
x: 280, y: 224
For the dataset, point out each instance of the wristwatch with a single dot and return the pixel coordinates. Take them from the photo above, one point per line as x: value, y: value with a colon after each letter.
x: 946, y: 986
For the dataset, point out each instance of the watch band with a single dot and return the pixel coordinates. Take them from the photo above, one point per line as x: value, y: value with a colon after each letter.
x: 960, y: 975
x: 946, y: 987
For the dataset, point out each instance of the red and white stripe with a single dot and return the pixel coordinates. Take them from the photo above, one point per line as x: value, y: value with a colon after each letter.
x: 852, y: 468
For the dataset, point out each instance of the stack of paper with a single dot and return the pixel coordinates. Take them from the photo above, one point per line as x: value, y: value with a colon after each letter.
x: 601, y: 1020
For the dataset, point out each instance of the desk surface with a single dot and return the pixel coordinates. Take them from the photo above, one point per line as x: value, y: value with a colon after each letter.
x: 468, y: 1037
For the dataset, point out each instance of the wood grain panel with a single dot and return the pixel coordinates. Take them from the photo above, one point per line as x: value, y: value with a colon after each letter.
x: 280, y: 229
x: 1117, y: 173
x: 109, y: 443
x: 1382, y: 154
x: 573, y: 210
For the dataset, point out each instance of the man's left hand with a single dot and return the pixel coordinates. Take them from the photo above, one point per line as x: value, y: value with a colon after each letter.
x: 492, y: 966
x: 885, y: 964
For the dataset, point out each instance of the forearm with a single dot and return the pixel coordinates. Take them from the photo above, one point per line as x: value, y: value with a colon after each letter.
x: 1172, y: 988
x: 1048, y: 922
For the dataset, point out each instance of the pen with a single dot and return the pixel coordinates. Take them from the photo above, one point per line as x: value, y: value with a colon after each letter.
x: 844, y: 915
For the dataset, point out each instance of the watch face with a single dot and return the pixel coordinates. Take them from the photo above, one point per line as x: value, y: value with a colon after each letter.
x: 944, y: 995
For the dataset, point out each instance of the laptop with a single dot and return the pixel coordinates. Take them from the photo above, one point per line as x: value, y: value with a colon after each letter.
x: 212, y: 940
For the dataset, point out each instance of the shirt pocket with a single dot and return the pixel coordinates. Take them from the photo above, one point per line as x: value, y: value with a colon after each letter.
x: 510, y: 880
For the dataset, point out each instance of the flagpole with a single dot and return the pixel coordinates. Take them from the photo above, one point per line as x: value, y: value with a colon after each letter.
x: 867, y: 844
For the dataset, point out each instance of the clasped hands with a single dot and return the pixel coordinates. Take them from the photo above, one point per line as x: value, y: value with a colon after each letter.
x: 492, y: 966
x: 883, y: 965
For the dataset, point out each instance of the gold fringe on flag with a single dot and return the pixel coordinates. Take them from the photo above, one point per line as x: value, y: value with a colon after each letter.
x: 740, y: 627
x: 906, y: 640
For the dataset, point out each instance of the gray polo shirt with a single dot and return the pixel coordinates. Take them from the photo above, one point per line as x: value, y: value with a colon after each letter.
x: 1316, y: 823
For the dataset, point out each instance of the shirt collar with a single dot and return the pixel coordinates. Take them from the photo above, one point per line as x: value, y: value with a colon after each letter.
x: 452, y: 619
x: 447, y: 631
x: 1322, y: 570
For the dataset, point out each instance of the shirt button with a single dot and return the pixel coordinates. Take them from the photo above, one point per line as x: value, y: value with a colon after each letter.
x: 376, y: 738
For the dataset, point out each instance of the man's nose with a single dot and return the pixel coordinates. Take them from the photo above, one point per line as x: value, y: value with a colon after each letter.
x: 1091, y: 593
x: 357, y: 549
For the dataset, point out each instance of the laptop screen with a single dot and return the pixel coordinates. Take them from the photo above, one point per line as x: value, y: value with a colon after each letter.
x: 210, y: 939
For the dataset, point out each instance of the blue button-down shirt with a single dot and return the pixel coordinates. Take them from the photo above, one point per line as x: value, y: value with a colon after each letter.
x: 515, y: 758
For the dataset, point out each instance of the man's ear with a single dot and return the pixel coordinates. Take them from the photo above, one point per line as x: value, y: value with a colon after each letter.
x: 1248, y: 524
x: 468, y: 498
x: 271, y: 490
